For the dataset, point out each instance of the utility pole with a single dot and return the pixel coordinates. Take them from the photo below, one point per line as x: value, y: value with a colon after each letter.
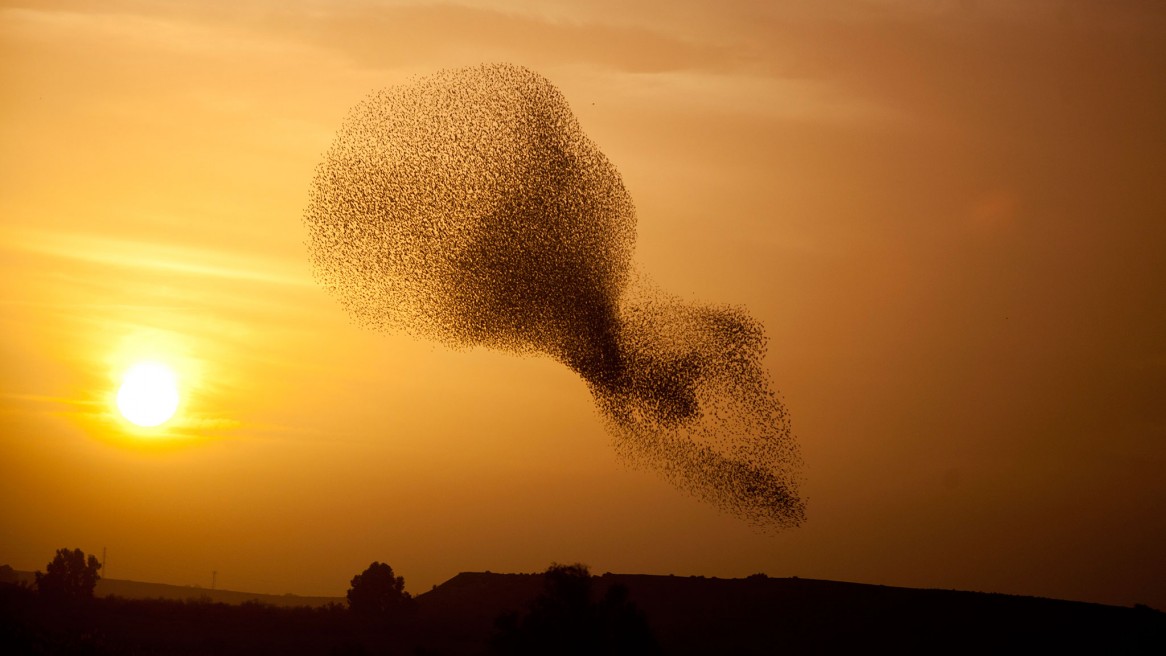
x: 104, y: 571
x: 214, y: 576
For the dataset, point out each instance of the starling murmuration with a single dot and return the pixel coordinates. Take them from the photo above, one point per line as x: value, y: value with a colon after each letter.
x: 469, y: 208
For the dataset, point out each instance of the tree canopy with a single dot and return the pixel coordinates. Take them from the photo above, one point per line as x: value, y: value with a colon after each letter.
x: 378, y: 593
x: 565, y: 620
x: 70, y: 576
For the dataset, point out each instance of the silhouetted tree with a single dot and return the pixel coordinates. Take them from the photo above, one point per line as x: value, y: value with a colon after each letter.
x: 378, y: 594
x: 69, y: 576
x: 564, y: 620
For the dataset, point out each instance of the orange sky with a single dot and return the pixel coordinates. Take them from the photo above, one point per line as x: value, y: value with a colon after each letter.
x: 949, y: 216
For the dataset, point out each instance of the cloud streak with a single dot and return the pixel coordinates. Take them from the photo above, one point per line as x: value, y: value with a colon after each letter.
x: 154, y: 256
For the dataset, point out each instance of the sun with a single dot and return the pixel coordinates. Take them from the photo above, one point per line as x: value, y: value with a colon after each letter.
x: 149, y: 394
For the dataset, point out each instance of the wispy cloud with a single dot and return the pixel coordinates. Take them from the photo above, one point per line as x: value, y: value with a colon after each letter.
x: 155, y: 256
x: 745, y: 94
x: 179, y: 34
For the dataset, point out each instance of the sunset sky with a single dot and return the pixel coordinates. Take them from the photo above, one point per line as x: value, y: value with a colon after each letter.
x: 949, y: 216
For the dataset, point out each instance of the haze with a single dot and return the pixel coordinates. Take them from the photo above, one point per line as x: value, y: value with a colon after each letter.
x: 947, y: 216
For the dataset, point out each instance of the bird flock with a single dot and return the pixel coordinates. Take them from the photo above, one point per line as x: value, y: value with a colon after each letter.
x: 469, y: 208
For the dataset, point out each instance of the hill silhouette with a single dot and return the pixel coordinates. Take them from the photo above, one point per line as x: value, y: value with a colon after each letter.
x: 141, y: 590
x: 761, y: 615
x: 687, y: 615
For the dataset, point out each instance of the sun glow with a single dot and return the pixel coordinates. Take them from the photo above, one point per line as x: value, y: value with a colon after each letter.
x: 148, y: 395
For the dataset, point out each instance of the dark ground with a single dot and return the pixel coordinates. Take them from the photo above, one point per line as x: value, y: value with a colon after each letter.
x: 688, y: 615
